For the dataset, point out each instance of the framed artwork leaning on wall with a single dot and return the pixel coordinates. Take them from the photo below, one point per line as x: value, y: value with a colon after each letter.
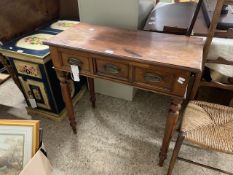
x: 19, y: 141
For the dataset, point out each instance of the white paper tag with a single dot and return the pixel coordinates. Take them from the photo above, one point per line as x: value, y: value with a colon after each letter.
x: 32, y: 102
x: 181, y: 80
x: 75, y: 73
x: 186, y: 91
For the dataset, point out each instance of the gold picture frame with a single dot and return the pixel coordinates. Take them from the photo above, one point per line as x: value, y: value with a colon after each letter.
x: 19, y: 141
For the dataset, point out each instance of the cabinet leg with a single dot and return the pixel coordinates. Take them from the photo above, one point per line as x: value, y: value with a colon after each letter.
x: 67, y: 99
x: 172, y: 118
x: 91, y: 88
x: 13, y: 75
x: 10, y: 71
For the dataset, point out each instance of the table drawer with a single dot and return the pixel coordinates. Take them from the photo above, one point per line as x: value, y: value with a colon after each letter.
x: 162, y: 78
x: 74, y: 59
x: 110, y: 68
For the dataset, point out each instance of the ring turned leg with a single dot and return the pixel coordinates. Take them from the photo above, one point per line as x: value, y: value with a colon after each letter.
x: 67, y: 99
x: 172, y: 117
x: 90, y: 82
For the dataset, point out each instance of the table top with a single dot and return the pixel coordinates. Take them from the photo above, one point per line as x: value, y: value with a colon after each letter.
x: 139, y: 46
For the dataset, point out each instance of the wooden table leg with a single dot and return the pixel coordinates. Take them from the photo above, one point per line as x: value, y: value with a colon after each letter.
x: 91, y: 88
x: 196, y: 86
x: 170, y: 126
x: 67, y: 98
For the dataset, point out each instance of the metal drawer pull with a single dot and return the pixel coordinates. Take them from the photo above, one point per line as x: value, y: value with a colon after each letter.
x: 149, y: 77
x: 74, y: 61
x: 110, y: 68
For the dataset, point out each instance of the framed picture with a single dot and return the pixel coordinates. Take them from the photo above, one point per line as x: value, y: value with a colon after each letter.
x: 19, y: 141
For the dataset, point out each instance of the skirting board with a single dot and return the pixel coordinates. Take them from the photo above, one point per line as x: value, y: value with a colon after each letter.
x: 52, y: 116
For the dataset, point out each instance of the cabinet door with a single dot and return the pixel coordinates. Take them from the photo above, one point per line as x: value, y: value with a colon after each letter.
x: 36, y: 90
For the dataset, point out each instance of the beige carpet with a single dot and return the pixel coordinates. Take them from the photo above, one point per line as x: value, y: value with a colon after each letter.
x: 116, y: 138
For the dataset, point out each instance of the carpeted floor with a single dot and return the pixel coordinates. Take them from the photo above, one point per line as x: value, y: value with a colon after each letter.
x: 116, y: 138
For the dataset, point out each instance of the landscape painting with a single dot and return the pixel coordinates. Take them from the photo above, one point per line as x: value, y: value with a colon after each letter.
x: 11, y: 154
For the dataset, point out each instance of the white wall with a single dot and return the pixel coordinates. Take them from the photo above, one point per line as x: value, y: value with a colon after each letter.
x: 119, y: 13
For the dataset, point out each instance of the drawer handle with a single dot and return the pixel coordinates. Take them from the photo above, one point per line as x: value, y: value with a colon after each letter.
x: 74, y: 61
x: 149, y: 77
x: 110, y: 68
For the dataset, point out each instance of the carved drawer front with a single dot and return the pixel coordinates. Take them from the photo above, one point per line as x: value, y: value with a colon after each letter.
x: 75, y: 59
x: 26, y: 68
x: 162, y: 78
x: 111, y: 68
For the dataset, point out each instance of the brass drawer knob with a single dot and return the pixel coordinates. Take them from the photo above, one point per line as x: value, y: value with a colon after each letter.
x: 74, y: 61
x: 112, y: 69
x: 154, y: 78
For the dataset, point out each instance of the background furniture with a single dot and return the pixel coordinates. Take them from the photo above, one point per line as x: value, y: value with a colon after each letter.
x: 225, y: 21
x: 217, y: 52
x: 32, y: 66
x: 128, y: 14
x: 40, y: 12
x: 29, y: 64
x: 176, y: 18
x: 129, y: 57
x: 208, y: 126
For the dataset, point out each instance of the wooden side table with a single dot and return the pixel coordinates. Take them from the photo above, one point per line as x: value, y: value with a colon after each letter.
x: 160, y: 63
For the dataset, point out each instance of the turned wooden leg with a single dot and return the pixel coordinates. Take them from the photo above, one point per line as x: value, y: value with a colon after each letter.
x: 176, y: 151
x: 67, y: 99
x: 196, y: 86
x: 91, y: 88
x: 170, y: 125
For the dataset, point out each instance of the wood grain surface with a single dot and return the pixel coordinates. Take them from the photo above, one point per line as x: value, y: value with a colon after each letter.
x: 146, y: 47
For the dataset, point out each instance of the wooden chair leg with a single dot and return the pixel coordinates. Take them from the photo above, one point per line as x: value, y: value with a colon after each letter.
x: 176, y: 151
x: 194, y: 19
